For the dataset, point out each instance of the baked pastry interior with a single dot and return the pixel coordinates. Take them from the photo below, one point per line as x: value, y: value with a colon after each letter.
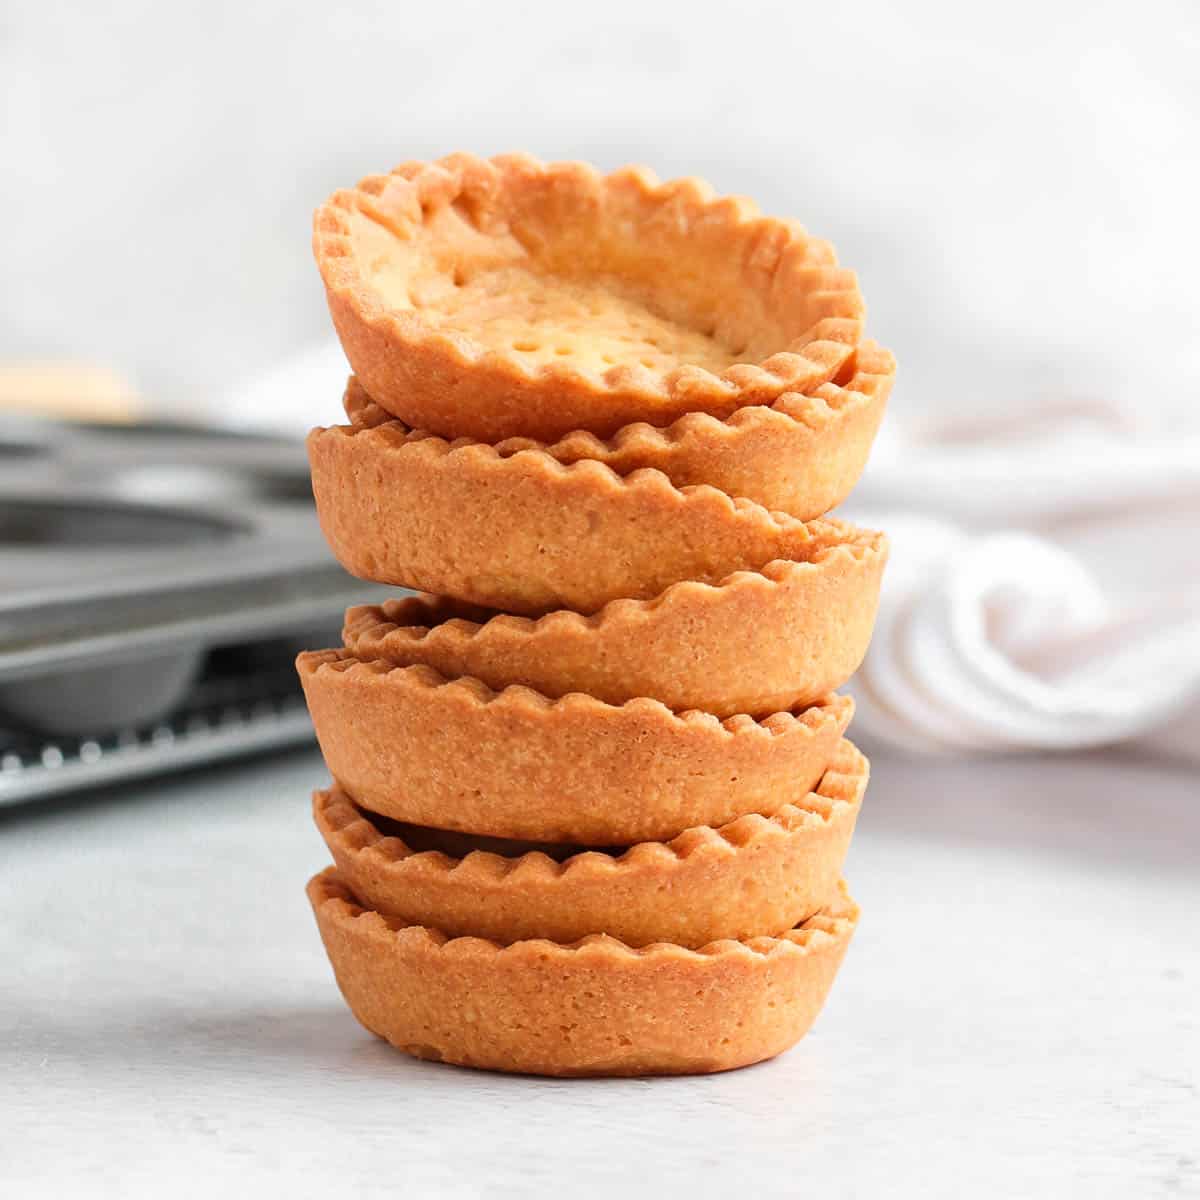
x: 562, y: 265
x: 454, y: 844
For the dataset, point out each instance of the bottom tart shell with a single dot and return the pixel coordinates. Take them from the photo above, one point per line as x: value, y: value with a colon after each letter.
x: 756, y: 875
x: 408, y: 744
x: 596, y: 1007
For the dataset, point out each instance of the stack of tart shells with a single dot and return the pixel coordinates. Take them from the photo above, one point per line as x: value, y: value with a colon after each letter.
x: 592, y: 794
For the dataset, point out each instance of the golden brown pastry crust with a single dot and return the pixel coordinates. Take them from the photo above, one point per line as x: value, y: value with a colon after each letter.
x: 509, y: 297
x: 801, y: 455
x: 754, y: 876
x: 597, y: 1007
x: 761, y: 642
x: 454, y: 754
x: 528, y: 535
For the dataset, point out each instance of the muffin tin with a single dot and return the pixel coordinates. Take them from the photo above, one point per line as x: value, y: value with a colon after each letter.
x: 128, y: 555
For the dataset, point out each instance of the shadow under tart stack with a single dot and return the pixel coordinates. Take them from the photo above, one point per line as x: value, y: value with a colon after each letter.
x: 592, y: 792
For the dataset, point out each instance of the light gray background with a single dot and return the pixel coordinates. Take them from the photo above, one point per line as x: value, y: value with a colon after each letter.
x: 1017, y: 184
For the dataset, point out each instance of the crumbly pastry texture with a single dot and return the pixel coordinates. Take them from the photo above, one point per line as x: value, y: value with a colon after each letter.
x: 593, y: 1007
x: 751, y: 877
x: 501, y: 297
x: 412, y: 745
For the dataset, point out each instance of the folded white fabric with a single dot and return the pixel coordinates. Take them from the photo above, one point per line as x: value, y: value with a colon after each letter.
x: 1044, y: 587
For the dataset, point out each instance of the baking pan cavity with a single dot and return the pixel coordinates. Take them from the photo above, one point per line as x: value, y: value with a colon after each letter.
x: 61, y: 525
x: 131, y: 558
x: 99, y: 699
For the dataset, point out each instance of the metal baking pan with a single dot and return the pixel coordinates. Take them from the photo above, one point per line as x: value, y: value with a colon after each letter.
x: 155, y: 582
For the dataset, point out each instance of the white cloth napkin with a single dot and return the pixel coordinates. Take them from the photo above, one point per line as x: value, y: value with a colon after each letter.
x: 1044, y: 584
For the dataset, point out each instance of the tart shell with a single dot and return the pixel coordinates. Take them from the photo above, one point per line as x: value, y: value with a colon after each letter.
x: 528, y: 535
x: 801, y: 455
x: 669, y: 252
x: 409, y: 744
x: 596, y: 1007
x: 754, y: 876
x: 759, y: 642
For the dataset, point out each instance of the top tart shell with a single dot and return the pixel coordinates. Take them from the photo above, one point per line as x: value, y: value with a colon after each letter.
x: 509, y: 297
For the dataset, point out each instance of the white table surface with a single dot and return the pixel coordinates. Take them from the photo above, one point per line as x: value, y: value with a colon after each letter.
x: 1019, y: 1015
